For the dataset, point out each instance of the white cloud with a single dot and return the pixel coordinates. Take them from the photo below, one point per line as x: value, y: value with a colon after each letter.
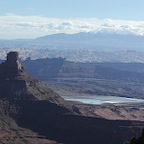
x: 13, y: 26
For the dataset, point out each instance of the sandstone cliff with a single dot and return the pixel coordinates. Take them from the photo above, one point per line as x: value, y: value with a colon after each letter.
x: 15, y: 83
x: 32, y: 113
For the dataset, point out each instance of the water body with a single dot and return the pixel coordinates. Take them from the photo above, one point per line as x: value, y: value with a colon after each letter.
x: 97, y: 100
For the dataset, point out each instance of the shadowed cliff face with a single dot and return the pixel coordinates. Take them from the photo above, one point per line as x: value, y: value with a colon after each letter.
x: 16, y: 84
x: 11, y: 68
x: 18, y: 93
x: 26, y: 103
x: 44, y: 69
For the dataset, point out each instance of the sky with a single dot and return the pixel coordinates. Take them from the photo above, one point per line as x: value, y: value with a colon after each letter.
x: 34, y: 18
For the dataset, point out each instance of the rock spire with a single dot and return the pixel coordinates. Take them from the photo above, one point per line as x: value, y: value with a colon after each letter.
x: 11, y: 68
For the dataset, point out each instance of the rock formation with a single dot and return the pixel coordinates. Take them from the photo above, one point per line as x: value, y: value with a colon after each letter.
x: 15, y: 83
x: 44, y: 69
x: 19, y: 94
x: 11, y: 68
x: 32, y: 113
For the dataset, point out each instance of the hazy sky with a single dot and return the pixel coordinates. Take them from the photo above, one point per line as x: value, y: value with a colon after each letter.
x: 41, y: 17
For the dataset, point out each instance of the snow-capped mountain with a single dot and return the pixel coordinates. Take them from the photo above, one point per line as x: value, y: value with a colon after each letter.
x: 12, y: 26
x: 90, y: 37
x: 98, y: 41
x: 82, y: 47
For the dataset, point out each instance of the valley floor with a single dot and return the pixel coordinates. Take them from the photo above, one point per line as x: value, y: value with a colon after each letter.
x: 114, y: 111
x: 84, y: 87
x: 92, y: 86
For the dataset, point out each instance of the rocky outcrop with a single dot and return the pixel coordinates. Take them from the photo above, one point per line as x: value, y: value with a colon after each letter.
x: 32, y: 113
x: 44, y: 69
x: 16, y: 84
x: 22, y: 97
x: 11, y: 68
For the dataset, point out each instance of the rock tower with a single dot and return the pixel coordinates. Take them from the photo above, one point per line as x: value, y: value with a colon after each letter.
x: 11, y: 68
x: 15, y: 83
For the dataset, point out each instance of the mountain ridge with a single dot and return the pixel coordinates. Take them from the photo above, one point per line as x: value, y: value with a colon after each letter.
x: 80, y: 47
x: 89, y: 36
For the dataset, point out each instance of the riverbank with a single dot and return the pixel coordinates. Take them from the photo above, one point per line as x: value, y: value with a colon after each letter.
x: 121, y: 111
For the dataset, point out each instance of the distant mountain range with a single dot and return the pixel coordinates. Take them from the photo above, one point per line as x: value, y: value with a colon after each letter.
x: 80, y: 47
x: 90, y: 37
x: 98, y: 41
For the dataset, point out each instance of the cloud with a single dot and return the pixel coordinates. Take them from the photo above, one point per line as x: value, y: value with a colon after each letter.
x: 14, y: 26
